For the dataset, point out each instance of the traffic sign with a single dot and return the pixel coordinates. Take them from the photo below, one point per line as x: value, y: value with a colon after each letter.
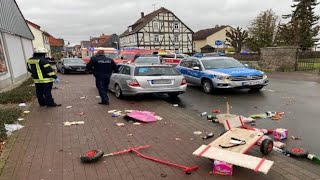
x: 218, y: 43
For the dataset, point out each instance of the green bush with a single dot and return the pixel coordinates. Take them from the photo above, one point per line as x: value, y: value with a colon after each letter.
x: 8, y: 116
x: 23, y: 93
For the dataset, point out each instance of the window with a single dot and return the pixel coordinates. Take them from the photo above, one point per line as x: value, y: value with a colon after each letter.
x: 156, y: 25
x: 176, y: 38
x: 195, y: 63
x: 176, y: 25
x: 125, y: 70
x: 156, y: 71
x: 186, y: 63
x: 156, y: 38
x: 3, y: 66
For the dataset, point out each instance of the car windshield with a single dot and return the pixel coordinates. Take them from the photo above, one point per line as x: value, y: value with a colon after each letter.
x: 111, y: 55
x: 223, y: 63
x: 73, y: 61
x: 156, y: 71
x: 147, y: 60
x: 128, y: 56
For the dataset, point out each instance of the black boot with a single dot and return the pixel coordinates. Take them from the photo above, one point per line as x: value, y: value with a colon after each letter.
x: 54, y: 105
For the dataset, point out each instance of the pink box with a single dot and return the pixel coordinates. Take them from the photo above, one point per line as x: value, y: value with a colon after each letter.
x: 222, y: 168
x: 280, y: 134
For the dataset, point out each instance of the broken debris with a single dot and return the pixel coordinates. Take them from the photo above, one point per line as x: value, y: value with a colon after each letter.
x: 203, y: 114
x: 80, y: 113
x: 143, y: 116
x: 26, y: 112
x: 176, y: 105
x: 210, y: 135
x: 296, y: 138
x: 68, y: 107
x: 136, y: 123
x: 20, y: 119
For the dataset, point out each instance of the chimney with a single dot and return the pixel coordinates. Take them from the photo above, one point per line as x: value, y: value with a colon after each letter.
x: 142, y: 14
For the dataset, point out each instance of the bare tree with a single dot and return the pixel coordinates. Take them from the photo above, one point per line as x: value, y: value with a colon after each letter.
x: 237, y: 38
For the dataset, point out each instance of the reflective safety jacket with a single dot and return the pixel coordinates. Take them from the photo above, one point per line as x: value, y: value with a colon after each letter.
x: 41, y: 70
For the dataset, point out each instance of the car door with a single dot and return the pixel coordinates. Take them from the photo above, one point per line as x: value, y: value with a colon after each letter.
x: 114, y: 78
x: 195, y: 75
x: 59, y: 65
x: 123, y: 76
x: 184, y: 68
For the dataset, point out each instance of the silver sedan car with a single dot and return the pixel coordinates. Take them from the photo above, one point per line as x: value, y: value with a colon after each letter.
x: 133, y: 79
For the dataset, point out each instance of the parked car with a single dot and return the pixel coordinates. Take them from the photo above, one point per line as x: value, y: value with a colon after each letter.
x: 133, y: 79
x: 221, y: 73
x: 148, y: 59
x: 173, y: 59
x: 68, y: 65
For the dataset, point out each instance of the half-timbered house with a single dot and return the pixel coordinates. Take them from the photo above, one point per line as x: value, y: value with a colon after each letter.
x: 160, y: 29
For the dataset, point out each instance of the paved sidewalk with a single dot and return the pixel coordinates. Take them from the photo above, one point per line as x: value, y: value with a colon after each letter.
x: 45, y: 149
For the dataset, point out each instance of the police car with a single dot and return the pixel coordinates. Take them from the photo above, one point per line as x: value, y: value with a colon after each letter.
x: 221, y: 73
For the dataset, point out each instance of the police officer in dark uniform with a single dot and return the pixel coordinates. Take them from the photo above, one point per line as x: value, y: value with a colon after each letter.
x: 43, y: 77
x: 102, y: 68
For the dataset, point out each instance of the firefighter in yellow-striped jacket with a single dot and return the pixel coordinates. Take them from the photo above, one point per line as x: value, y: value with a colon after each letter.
x: 43, y: 76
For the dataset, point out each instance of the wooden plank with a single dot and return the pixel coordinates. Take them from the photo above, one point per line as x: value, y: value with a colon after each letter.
x: 233, y: 122
x: 251, y: 138
x: 242, y: 160
x: 222, y: 117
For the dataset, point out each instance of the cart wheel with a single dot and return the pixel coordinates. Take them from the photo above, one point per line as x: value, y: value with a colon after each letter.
x: 298, y: 152
x: 91, y: 156
x: 266, y: 146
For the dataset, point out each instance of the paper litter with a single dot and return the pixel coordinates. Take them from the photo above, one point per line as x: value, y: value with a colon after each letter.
x: 112, y: 111
x: 67, y: 123
x: 197, y: 132
x: 68, y: 107
x: 158, y: 118
x: 178, y: 139
x: 98, y: 97
x: 120, y: 124
x: 12, y: 127
x: 136, y: 123
x: 176, y: 105
x: 128, y: 111
x: 20, y: 119
x: 22, y: 105
x: 83, y: 97
x: 26, y: 112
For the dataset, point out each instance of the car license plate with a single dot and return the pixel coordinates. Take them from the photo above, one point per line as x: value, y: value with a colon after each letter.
x: 250, y: 83
x: 161, y: 81
x: 80, y: 69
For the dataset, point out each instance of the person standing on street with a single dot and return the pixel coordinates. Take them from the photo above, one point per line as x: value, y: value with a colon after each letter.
x: 102, y: 68
x: 43, y: 77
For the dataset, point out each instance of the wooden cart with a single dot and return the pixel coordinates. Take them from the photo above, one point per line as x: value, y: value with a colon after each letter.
x: 221, y: 149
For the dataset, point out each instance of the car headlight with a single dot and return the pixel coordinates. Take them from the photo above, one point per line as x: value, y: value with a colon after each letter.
x: 264, y: 76
x: 223, y: 78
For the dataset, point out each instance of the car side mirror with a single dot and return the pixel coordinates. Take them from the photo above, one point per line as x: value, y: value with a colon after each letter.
x: 196, y: 68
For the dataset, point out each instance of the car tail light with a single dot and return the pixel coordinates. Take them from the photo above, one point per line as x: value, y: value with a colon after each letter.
x: 134, y: 83
x: 184, y: 82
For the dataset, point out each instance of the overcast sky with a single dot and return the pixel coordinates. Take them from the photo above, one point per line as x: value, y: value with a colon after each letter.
x: 76, y: 20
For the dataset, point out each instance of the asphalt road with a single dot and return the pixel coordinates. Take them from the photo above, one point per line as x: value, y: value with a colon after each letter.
x: 300, y: 100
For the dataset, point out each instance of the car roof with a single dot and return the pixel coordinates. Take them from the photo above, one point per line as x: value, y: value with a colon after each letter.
x: 149, y: 65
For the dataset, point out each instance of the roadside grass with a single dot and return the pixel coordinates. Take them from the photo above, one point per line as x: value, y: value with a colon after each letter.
x: 23, y: 93
x: 7, y: 116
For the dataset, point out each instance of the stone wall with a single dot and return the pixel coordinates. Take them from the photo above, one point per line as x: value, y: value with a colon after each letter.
x: 278, y: 58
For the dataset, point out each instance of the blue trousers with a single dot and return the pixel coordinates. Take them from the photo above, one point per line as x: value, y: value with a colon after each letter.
x: 102, y: 83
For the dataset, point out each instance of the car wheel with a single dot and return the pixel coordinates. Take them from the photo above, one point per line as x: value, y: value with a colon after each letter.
x: 207, y: 86
x: 173, y: 95
x: 117, y: 91
x: 257, y: 89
